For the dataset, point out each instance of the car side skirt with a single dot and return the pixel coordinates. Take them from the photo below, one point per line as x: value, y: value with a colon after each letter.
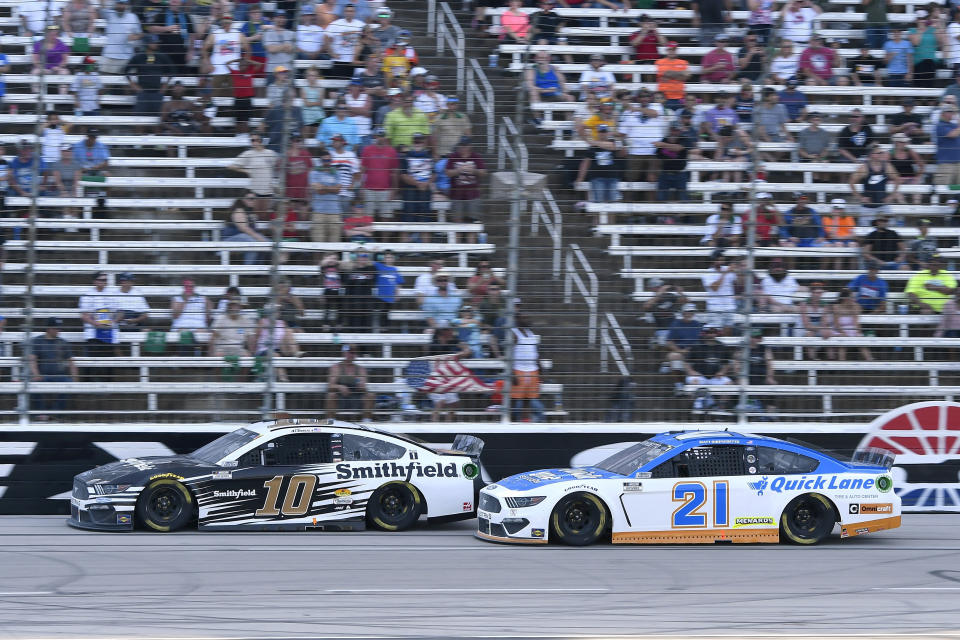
x: 705, y: 536
x: 487, y: 536
x: 870, y: 526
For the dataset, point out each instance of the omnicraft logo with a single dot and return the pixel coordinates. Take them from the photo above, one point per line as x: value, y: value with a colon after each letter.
x: 781, y: 484
x: 236, y: 493
x: 393, y: 470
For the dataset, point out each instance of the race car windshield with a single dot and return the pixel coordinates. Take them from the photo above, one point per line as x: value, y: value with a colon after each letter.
x: 632, y: 458
x: 224, y: 445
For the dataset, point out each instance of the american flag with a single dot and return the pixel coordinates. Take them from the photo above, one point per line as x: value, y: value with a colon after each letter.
x: 443, y: 375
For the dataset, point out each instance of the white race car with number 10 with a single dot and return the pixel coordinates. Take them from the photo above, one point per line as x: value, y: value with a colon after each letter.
x: 698, y: 487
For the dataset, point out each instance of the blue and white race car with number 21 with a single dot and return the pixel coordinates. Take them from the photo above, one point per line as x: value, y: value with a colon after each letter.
x: 697, y: 487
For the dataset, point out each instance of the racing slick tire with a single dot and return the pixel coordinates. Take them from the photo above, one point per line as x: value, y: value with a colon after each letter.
x: 807, y: 519
x: 165, y: 505
x: 394, y: 506
x: 579, y: 519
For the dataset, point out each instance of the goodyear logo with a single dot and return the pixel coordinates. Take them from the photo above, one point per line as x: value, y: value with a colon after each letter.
x: 781, y: 484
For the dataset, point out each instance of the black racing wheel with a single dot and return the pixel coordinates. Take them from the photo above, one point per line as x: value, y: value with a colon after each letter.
x: 579, y: 519
x: 807, y: 519
x: 165, y: 505
x: 395, y: 506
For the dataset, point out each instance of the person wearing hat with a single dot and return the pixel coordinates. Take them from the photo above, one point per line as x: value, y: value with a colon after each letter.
x: 839, y: 227
x: 123, y: 32
x: 856, y: 139
x: 133, y: 310
x: 768, y: 221
x: 309, y: 37
x: 880, y: 184
x: 379, y: 177
x: 400, y: 59
x: 347, y: 165
x: 908, y: 164
x: 284, y: 119
x: 359, y: 283
x: 25, y: 170
x: 923, y: 247
x: 752, y: 59
x: 347, y: 386
x: 450, y: 127
x: 947, y: 132
x: 148, y: 75
x: 100, y: 315
x: 260, y: 164
x: 680, y: 337
x: 51, y: 360
x: 709, y: 362
x: 802, y: 225
x: 342, y: 38
x: 785, y: 65
x: 401, y: 124
x: 817, y: 62
x: 589, y: 128
x: 417, y: 178
x: 672, y: 153
x: 92, y: 155
x: 793, y: 100
x: 224, y: 45
x: 641, y: 126
x: 603, y: 164
x: 884, y: 247
x: 595, y: 80
x: 672, y: 74
x: 723, y: 229
x: 386, y: 32
x: 430, y: 100
x: 646, y: 40
x: 718, y: 65
x: 663, y: 307
x: 870, y: 290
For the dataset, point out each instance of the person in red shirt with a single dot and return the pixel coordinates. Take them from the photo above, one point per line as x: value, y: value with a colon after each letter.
x: 358, y: 226
x: 465, y: 169
x: 299, y: 164
x: 718, y: 64
x: 646, y: 40
x: 817, y: 62
x: 379, y: 166
x: 769, y: 220
x: 243, y: 71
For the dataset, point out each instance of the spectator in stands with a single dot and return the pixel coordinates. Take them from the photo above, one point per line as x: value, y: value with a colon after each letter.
x: 470, y: 330
x: 884, y: 247
x: 325, y: 206
x: 680, y: 335
x: 515, y: 23
x: 357, y: 225
x: 718, y: 64
x: 908, y: 164
x: 794, y: 101
x: 733, y: 146
x: 466, y: 170
x: 386, y: 32
x: 949, y: 326
x: 331, y: 283
x: 951, y: 42
x: 870, y: 289
x: 723, y: 229
x: 50, y: 55
x: 171, y: 25
x: 546, y: 83
x: 401, y: 124
x: 359, y: 106
x: 710, y: 361
x: 796, y: 20
x: 389, y: 280
x: 450, y: 127
x: 931, y: 288
x: 442, y: 305
x: 190, y: 313
x: 232, y: 332
x: 359, y: 283
x: 274, y: 336
x: 672, y: 74
x: 290, y: 307
x: 646, y: 40
x: 26, y: 172
x: 744, y: 102
x: 907, y: 122
x: 865, y: 68
x: 298, y: 165
x: 785, y: 65
x: 778, y: 289
x: 769, y: 220
x: 817, y: 62
x: 66, y: 174
x: 721, y: 115
x: 877, y: 176
x: 846, y: 323
x: 481, y: 280
x: 429, y: 100
x: 347, y: 386
x: 53, y: 139
x: 342, y: 37
x: 641, y: 126
x: 347, y: 164
x: 526, y: 372
x: 253, y: 30
x: 224, y: 45
x: 802, y: 225
x: 310, y: 37
x: 711, y: 17
x: 718, y: 283
x: 493, y: 311
x: 379, y: 166
x: 148, y: 75
x: 899, y: 59
x: 133, y: 312
x: 281, y: 85
x: 100, y: 315
x: 241, y: 226
x: 51, y: 360
x: 759, y: 361
x: 589, y: 129
x: 814, y: 320
x: 283, y: 122
x: 313, y: 95
x: 445, y: 343
x: 921, y: 249
x: 280, y: 44
x: 839, y: 229
x: 547, y: 23
x: 876, y: 23
x: 424, y: 284
x: 752, y: 59
x: 123, y: 32
x: 770, y: 119
x: 180, y: 116
x: 948, y: 147
x: 815, y: 144
x: 595, y: 81
x: 399, y: 60
x: 672, y: 152
x: 855, y: 140
x: 340, y: 123
x: 92, y: 155
x: 327, y: 11
x: 364, y: 9
x: 925, y: 38
x: 260, y: 164
x: 603, y: 165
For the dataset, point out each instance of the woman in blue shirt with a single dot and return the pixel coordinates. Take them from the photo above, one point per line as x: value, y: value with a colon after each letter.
x: 388, y: 281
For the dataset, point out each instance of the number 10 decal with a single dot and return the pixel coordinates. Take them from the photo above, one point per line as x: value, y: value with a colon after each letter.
x: 295, y: 503
x: 693, y: 495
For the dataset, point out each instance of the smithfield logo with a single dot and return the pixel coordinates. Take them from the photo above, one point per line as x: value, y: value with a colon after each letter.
x: 820, y: 483
x: 236, y: 493
x: 393, y: 470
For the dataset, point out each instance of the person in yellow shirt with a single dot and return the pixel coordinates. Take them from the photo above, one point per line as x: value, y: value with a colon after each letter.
x: 930, y: 289
x: 587, y: 129
x: 402, y: 123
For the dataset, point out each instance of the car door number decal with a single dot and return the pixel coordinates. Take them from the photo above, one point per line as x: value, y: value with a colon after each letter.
x: 693, y: 495
x: 296, y: 501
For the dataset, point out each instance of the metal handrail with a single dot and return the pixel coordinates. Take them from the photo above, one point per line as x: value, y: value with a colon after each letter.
x: 553, y: 225
x: 589, y: 292
x: 480, y: 90
x: 609, y: 329
x: 450, y: 33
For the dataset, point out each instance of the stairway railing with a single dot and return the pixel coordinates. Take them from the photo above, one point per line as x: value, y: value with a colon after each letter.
x: 588, y: 285
x: 547, y: 212
x: 622, y: 356
x: 450, y: 34
x: 480, y: 90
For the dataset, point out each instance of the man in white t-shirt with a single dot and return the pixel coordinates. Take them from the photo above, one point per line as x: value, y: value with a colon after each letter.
x: 779, y: 288
x: 344, y: 34
x: 233, y: 331
x: 797, y: 19
x: 310, y: 36
x: 718, y: 283
x: 98, y: 310
x: 593, y: 80
x: 641, y: 125
x: 424, y: 285
x: 723, y: 229
x: 952, y: 44
x: 132, y: 308
x: 36, y: 16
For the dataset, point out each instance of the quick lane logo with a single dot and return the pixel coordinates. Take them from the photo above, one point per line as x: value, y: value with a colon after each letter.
x: 393, y: 470
x: 236, y: 493
x: 820, y: 483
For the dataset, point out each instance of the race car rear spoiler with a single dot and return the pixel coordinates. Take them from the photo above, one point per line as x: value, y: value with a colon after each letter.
x: 469, y: 445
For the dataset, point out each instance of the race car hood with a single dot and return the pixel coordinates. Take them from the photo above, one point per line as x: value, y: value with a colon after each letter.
x: 142, y: 468
x: 543, y: 477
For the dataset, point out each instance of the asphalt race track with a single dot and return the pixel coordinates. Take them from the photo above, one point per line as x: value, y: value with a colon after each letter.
x: 56, y: 582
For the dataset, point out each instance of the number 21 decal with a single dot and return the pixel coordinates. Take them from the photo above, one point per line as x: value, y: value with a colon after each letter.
x: 693, y: 495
